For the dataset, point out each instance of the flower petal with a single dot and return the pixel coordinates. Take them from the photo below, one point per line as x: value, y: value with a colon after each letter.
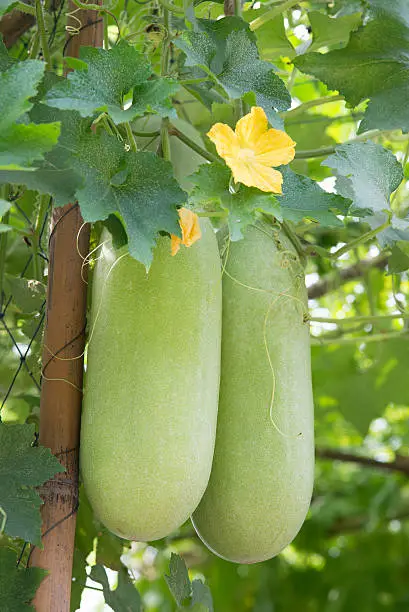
x: 251, y: 127
x: 225, y: 139
x: 189, y: 223
x: 274, y: 148
x: 256, y: 175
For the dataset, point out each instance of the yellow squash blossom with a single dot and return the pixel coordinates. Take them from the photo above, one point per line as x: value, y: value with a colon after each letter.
x: 189, y: 223
x: 252, y: 149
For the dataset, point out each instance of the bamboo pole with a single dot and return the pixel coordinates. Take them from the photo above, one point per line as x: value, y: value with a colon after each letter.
x: 61, y: 396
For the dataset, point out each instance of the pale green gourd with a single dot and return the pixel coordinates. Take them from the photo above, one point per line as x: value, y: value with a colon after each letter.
x: 262, y: 475
x: 150, y: 403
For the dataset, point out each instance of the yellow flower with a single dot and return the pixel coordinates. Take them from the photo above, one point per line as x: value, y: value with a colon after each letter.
x: 189, y: 223
x: 252, y: 150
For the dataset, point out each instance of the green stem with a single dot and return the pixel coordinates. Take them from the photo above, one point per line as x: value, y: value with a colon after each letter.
x: 193, y: 81
x: 237, y: 8
x: 294, y: 112
x: 404, y: 162
x: 165, y: 141
x: 295, y: 240
x: 360, y: 319
x: 172, y: 8
x: 25, y: 8
x: 146, y: 134
x: 193, y: 145
x: 274, y: 12
x: 324, y: 151
x: 316, y: 341
x: 43, y: 202
x: 130, y: 136
x: 166, y: 42
x: 3, y: 251
x: 42, y: 32
x: 35, y: 46
x: 106, y: 39
x: 361, y: 239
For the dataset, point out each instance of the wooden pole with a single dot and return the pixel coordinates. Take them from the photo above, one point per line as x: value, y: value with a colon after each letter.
x: 61, y: 396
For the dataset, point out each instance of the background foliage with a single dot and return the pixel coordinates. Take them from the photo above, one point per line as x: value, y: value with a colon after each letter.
x: 335, y: 75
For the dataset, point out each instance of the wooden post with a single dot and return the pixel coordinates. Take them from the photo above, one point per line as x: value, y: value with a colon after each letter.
x: 61, y: 396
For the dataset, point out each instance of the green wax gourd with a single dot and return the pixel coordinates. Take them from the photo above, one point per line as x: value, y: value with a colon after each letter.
x: 262, y: 475
x: 150, y: 403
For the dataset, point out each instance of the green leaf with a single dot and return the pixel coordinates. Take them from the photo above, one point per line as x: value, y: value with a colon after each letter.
x: 201, y: 596
x: 399, y: 259
x: 108, y: 77
x: 230, y: 55
x: 374, y: 65
x: 139, y: 186
x: 4, y: 206
x: 5, y: 59
x: 303, y: 198
x: 28, y: 295
x: 212, y: 183
x: 367, y: 174
x: 271, y: 37
x: 178, y: 580
x: 329, y: 31
x: 22, y: 143
x: 23, y: 467
x: 361, y: 383
x: 17, y: 586
x: 125, y: 598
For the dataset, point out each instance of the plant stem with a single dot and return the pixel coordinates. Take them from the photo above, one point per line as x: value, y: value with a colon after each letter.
x: 4, y: 194
x: 361, y: 239
x: 25, y: 8
x: 146, y: 134
x: 42, y: 32
x: 294, y: 112
x: 330, y: 150
x: 295, y: 240
x: 193, y: 145
x: 35, y: 46
x: 130, y: 136
x: 316, y: 341
x: 193, y: 81
x: 3, y: 251
x: 172, y: 8
x: 43, y: 201
x: 165, y: 141
x: 274, y: 12
x: 360, y: 319
x: 106, y: 39
x: 164, y: 128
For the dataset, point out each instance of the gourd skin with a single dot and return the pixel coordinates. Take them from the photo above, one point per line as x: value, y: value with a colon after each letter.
x: 150, y: 404
x: 261, y: 481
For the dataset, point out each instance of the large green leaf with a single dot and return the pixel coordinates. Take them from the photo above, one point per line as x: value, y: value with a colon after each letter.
x: 228, y: 53
x: 271, y: 37
x: 303, y: 198
x: 22, y: 468
x: 367, y: 174
x: 331, y: 31
x: 374, y: 65
x: 108, y: 76
x: 22, y: 143
x: 140, y: 186
x: 17, y: 586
